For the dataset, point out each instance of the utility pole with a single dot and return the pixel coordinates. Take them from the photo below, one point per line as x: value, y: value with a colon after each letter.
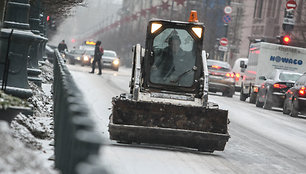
x: 223, y: 54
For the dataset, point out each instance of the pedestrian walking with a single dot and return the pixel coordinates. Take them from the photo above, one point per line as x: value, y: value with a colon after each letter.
x: 62, y: 46
x: 97, y: 58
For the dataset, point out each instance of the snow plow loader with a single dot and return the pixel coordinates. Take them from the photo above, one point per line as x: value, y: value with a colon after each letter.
x: 168, y: 100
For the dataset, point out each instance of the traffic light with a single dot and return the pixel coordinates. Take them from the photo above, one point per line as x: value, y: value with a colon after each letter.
x: 285, y: 40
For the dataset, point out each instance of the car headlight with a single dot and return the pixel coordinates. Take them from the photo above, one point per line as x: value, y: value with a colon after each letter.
x: 86, y: 58
x: 116, y: 62
x: 78, y: 58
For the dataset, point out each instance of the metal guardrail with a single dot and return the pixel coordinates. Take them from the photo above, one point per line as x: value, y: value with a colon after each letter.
x: 6, y: 62
x: 76, y: 142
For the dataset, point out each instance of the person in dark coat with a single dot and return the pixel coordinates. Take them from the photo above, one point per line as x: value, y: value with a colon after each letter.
x: 97, y: 57
x: 62, y: 46
x: 166, y: 63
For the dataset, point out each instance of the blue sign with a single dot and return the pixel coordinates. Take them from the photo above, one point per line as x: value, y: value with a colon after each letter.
x: 279, y: 59
x: 227, y: 18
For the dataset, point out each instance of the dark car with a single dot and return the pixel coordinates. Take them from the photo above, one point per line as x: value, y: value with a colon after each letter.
x: 272, y: 91
x: 74, y: 56
x: 80, y: 56
x: 88, y: 57
x: 221, y: 78
x: 110, y: 60
x: 295, y: 99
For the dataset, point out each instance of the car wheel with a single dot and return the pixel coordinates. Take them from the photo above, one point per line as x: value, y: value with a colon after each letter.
x: 230, y: 93
x: 253, y: 98
x: 258, y: 103
x: 267, y: 103
x: 243, y: 97
x: 285, y: 107
x: 294, y: 110
x: 115, y: 68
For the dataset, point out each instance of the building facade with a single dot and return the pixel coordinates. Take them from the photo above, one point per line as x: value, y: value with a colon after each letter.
x: 263, y: 20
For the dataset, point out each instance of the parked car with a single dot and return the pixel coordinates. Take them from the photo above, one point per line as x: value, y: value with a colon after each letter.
x: 111, y: 60
x: 238, y: 72
x: 272, y: 91
x: 295, y: 98
x: 221, y: 78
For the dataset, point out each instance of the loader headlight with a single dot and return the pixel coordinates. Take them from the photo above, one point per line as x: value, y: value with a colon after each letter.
x: 198, y: 31
x: 86, y: 58
x: 155, y: 27
x: 116, y: 62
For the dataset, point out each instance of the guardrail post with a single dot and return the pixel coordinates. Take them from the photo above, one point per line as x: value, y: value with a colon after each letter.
x: 16, y: 22
x: 75, y: 136
x: 36, y: 50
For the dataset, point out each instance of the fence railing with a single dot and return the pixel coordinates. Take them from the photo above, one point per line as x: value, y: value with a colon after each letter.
x: 76, y: 141
x: 6, y: 63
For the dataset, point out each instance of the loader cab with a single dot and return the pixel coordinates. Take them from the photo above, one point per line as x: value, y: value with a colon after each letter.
x: 173, y: 60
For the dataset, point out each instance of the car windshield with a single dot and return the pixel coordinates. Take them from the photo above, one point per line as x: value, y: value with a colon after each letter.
x: 109, y: 54
x: 90, y: 52
x: 218, y: 65
x: 174, y: 58
x: 288, y: 76
x: 77, y: 51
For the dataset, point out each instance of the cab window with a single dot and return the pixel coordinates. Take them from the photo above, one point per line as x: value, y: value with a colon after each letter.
x: 173, y: 58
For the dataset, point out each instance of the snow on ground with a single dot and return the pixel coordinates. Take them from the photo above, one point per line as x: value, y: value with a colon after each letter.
x: 25, y: 145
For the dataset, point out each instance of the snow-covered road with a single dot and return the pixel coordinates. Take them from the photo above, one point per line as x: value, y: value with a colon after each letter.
x: 261, y: 141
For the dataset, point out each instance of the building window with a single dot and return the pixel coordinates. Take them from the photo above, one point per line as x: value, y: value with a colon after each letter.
x: 269, y: 11
x: 258, y: 8
x: 274, y: 7
x: 254, y: 15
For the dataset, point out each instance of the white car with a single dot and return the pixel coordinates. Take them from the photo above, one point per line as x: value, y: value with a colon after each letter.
x: 111, y: 60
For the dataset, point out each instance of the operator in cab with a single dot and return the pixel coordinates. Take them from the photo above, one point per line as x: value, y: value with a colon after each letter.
x: 173, y: 66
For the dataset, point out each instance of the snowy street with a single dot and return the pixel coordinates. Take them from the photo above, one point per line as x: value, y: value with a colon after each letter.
x: 262, y: 141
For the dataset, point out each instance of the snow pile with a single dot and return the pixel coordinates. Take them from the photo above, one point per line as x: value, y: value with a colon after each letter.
x: 47, y: 72
x: 31, y: 128
x: 16, y: 158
